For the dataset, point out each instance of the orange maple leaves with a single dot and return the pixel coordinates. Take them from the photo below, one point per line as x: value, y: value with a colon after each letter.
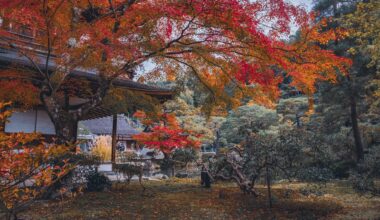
x: 26, y: 167
x: 307, y: 62
x: 221, y: 42
x: 20, y: 92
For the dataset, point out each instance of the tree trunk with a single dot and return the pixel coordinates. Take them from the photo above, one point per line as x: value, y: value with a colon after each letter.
x: 354, y: 121
x: 356, y: 130
x: 64, y: 116
x: 66, y: 130
x: 7, y: 212
x: 268, y: 186
x: 65, y: 121
x: 11, y: 215
x: 168, y: 168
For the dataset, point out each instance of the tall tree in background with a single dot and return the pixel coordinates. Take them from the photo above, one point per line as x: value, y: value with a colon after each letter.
x: 221, y: 42
x: 345, y: 102
x: 364, y: 26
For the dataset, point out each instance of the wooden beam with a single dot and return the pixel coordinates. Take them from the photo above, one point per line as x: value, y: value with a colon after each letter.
x: 114, y: 138
x: 35, y: 120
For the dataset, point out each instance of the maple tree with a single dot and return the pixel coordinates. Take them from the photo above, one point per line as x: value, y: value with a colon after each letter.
x: 163, y: 133
x: 26, y: 168
x: 192, y: 118
x: 221, y: 42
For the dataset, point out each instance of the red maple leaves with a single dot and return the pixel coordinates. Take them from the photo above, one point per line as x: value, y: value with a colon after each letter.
x: 165, y: 134
x: 220, y: 41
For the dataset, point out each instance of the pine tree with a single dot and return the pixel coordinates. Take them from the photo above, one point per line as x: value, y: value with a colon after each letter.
x: 342, y: 104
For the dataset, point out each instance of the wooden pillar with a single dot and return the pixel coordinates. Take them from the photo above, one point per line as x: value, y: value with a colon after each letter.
x: 2, y: 122
x: 2, y: 125
x: 75, y: 131
x: 114, y: 138
x: 35, y: 119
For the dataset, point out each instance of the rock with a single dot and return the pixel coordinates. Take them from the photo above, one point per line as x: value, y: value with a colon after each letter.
x: 164, y: 177
x: 182, y: 175
x: 160, y: 176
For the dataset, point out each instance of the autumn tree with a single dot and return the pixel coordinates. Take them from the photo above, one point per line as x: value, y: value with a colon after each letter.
x: 221, y: 42
x: 27, y: 170
x: 164, y: 134
x: 187, y: 107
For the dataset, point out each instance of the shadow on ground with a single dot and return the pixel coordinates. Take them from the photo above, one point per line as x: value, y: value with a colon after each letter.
x: 187, y: 200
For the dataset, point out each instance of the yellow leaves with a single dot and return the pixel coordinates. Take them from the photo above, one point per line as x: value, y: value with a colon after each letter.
x: 352, y: 51
x: 4, y: 114
x: 325, y: 37
x: 171, y: 75
x: 364, y: 26
x: 102, y: 148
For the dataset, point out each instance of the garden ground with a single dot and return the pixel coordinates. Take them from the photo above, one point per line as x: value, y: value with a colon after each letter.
x: 185, y: 199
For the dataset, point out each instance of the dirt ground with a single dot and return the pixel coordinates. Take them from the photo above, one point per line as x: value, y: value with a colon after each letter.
x: 185, y: 199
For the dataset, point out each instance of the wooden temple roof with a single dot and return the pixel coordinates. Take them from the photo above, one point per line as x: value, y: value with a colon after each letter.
x: 23, y: 37
x: 103, y: 126
x: 10, y: 58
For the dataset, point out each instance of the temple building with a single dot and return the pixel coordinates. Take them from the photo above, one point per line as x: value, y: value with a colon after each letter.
x: 36, y: 119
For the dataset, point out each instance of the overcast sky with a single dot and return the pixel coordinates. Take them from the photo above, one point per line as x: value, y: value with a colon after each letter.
x: 306, y: 3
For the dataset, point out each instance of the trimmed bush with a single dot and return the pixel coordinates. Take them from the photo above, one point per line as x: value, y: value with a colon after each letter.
x: 97, y: 182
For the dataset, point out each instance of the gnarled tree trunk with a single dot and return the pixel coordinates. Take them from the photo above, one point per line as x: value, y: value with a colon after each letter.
x: 65, y: 122
x: 65, y: 117
x: 66, y: 129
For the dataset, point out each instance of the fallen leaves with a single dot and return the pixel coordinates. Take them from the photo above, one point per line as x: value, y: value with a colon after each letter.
x: 187, y: 200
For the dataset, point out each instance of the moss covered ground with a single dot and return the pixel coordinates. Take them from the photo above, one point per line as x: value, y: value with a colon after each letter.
x: 185, y: 199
